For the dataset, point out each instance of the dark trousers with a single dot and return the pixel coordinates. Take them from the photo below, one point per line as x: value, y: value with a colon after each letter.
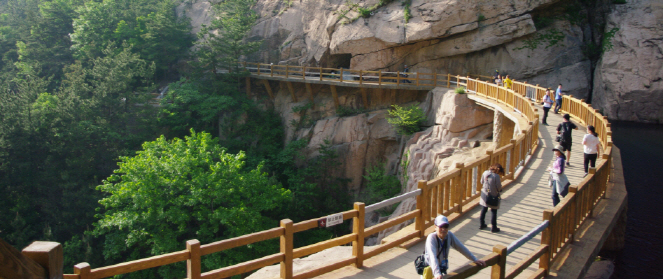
x: 545, y: 115
x: 555, y: 195
x: 590, y: 159
x: 558, y: 105
x: 493, y: 221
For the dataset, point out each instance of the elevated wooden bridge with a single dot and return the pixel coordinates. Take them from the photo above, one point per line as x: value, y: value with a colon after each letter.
x: 536, y: 240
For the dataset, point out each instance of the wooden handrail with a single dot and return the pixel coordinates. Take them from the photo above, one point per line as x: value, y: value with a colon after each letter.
x: 442, y: 195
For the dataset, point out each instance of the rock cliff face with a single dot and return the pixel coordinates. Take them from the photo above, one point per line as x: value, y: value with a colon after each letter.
x: 460, y: 133
x: 442, y: 36
x: 628, y: 82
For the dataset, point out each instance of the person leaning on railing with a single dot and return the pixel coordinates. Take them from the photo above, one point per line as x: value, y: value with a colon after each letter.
x: 443, y: 239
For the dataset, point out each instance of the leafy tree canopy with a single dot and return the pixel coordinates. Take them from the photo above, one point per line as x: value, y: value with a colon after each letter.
x: 176, y: 190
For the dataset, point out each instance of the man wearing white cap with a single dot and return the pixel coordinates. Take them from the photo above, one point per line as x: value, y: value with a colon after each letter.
x: 437, y: 250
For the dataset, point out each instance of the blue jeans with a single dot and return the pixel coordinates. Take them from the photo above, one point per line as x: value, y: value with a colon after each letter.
x: 558, y: 105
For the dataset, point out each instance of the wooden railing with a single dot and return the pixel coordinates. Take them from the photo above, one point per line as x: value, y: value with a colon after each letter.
x: 445, y: 194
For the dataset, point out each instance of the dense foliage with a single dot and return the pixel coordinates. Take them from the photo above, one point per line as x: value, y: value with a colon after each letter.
x: 172, y: 191
x: 406, y: 120
x: 77, y: 84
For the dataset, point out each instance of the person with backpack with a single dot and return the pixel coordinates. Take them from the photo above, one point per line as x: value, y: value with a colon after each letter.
x: 591, y: 145
x: 564, y: 130
x: 492, y: 186
x: 438, y: 244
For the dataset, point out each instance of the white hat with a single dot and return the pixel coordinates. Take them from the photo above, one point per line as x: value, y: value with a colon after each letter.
x: 441, y: 220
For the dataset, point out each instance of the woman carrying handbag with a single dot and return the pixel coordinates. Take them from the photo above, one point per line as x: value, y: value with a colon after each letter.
x: 490, y: 195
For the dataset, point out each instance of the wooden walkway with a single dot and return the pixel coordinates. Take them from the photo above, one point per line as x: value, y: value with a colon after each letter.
x: 521, y: 210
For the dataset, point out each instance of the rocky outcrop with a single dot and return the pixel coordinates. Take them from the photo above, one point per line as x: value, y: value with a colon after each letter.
x: 441, y: 36
x: 459, y: 127
x: 628, y: 82
x: 361, y: 141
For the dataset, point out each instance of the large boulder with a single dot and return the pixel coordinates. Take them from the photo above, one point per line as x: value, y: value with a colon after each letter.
x: 628, y: 82
x: 361, y: 141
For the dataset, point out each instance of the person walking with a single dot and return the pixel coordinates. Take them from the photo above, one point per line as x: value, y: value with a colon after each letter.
x: 547, y: 104
x: 558, y: 98
x: 438, y: 244
x: 492, y: 186
x: 558, y: 180
x: 508, y: 83
x: 591, y: 147
x: 498, y: 80
x: 564, y: 129
x: 405, y: 75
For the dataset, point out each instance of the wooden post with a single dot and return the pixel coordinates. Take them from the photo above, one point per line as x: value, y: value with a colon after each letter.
x: 499, y: 270
x: 334, y: 95
x: 268, y: 88
x: 417, y: 78
x: 341, y: 76
x: 576, y: 202
x: 287, y: 71
x: 292, y: 91
x: 271, y: 70
x: 380, y: 78
x: 304, y: 72
x: 286, y: 249
x: 320, y: 73
x: 82, y: 270
x: 514, y: 160
x: 490, y: 154
x: 361, y: 77
x: 48, y: 255
x: 15, y: 265
x: 248, y: 87
x: 364, y: 97
x: 193, y: 263
x: 309, y: 90
x: 358, y: 228
x: 448, y: 80
x: 258, y: 68
x: 421, y: 205
x: 546, y: 239
x: 462, y: 183
x: 398, y: 78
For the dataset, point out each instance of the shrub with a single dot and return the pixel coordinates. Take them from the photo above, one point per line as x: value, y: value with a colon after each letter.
x: 406, y: 120
x: 460, y: 90
x: 343, y: 111
x: 363, y: 12
x: 379, y: 186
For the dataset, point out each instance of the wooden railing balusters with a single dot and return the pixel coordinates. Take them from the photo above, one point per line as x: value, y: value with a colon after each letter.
x: 286, y: 249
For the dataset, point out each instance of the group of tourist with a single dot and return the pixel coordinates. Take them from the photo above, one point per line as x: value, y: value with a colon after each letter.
x: 506, y: 81
x: 439, y: 242
x: 591, y: 146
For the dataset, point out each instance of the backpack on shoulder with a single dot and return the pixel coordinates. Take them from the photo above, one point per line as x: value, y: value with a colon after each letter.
x: 420, y: 262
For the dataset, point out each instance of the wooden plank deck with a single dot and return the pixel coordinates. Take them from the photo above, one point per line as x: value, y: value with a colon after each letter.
x: 521, y: 210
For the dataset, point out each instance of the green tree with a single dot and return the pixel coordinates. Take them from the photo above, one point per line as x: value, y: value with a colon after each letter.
x: 407, y: 120
x: 172, y: 191
x: 150, y: 27
x: 223, y: 42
